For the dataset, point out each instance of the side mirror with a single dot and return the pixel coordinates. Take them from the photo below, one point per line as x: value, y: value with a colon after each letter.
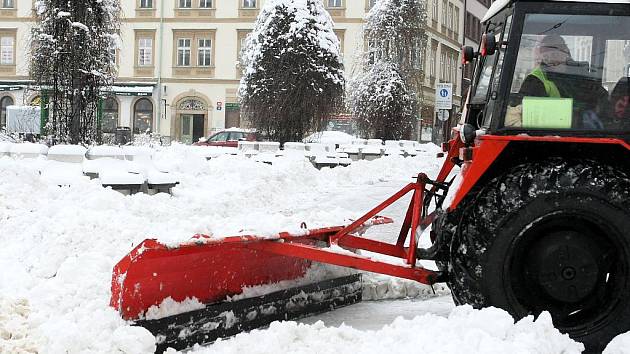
x: 468, y: 54
x: 488, y: 44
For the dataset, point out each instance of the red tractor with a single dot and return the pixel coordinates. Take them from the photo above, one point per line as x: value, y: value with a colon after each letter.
x: 537, y: 220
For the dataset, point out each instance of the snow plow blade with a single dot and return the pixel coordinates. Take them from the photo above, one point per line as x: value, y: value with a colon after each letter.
x: 201, y: 277
x: 230, y: 318
x: 211, y: 271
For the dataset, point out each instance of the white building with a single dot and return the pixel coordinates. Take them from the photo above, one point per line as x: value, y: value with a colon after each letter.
x: 178, y: 59
x: 475, y: 11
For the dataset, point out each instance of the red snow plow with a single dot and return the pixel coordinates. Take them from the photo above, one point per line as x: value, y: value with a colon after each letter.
x: 539, y: 222
x: 213, y: 270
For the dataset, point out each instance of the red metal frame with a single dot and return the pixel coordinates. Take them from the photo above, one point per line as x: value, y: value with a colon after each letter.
x: 412, y: 226
x: 489, y: 147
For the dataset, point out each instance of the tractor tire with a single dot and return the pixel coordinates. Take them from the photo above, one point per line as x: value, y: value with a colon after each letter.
x: 549, y: 236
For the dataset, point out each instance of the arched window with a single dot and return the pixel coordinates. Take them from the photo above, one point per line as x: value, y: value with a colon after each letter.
x: 4, y: 103
x: 143, y: 116
x: 110, y: 115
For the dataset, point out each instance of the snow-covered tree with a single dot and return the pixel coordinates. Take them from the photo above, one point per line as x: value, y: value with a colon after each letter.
x: 396, y: 35
x: 72, y: 62
x: 293, y: 77
x: 387, y: 105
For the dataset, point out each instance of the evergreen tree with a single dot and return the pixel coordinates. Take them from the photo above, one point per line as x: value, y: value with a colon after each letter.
x: 72, y: 61
x: 293, y: 77
x: 387, y: 105
x: 395, y: 32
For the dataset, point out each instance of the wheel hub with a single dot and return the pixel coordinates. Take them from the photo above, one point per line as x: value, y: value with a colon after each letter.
x: 564, y: 265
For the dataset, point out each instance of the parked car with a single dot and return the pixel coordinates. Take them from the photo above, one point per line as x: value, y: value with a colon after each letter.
x: 229, y: 137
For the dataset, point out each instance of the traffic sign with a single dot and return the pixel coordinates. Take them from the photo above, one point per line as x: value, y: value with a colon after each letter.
x: 443, y: 115
x: 444, y: 95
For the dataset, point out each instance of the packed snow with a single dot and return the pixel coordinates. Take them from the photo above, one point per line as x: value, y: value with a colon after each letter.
x: 464, y: 331
x: 59, y: 245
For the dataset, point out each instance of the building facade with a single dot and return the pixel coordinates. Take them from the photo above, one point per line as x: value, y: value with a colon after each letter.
x: 178, y: 70
x: 475, y: 11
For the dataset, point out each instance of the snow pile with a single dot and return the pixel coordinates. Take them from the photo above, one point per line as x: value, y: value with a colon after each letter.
x: 382, y: 287
x: 619, y: 345
x: 464, y: 331
x: 14, y: 327
x: 330, y: 137
x: 59, y: 246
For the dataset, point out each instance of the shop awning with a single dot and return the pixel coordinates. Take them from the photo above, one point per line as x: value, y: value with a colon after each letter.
x: 132, y: 90
x: 11, y: 87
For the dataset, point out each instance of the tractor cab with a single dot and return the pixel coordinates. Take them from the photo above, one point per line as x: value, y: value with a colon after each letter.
x: 552, y: 68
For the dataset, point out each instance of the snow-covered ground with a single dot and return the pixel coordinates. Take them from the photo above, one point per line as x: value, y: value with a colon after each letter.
x: 59, y: 246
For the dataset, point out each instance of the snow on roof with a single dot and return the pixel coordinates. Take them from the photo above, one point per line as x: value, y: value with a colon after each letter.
x: 499, y: 5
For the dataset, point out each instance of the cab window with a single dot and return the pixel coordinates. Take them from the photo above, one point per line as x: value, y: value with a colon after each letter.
x: 571, y: 73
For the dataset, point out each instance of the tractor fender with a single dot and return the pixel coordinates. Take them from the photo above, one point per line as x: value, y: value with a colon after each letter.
x: 484, y: 153
x: 489, y: 150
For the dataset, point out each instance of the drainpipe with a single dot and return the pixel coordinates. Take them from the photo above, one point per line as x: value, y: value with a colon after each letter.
x: 159, y: 73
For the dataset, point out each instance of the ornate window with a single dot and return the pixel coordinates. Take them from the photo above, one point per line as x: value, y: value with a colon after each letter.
x: 143, y: 116
x: 192, y: 105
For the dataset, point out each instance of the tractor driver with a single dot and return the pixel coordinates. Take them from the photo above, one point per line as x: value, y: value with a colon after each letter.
x: 555, y: 76
x: 551, y: 56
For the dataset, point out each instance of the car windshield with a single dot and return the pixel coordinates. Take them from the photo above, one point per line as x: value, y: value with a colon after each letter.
x: 571, y: 73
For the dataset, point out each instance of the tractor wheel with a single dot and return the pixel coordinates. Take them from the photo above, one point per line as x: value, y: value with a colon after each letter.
x: 550, y: 236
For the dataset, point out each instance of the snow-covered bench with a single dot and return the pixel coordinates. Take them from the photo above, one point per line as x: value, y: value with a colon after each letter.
x: 64, y: 165
x: 67, y: 153
x: 140, y: 160
x: 268, y: 152
x: 5, y: 148
x: 410, y: 147
x: 320, y: 156
x: 393, y: 148
x: 108, y: 164
x: 28, y: 150
x: 351, y: 150
x: 248, y: 148
x: 294, y: 150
